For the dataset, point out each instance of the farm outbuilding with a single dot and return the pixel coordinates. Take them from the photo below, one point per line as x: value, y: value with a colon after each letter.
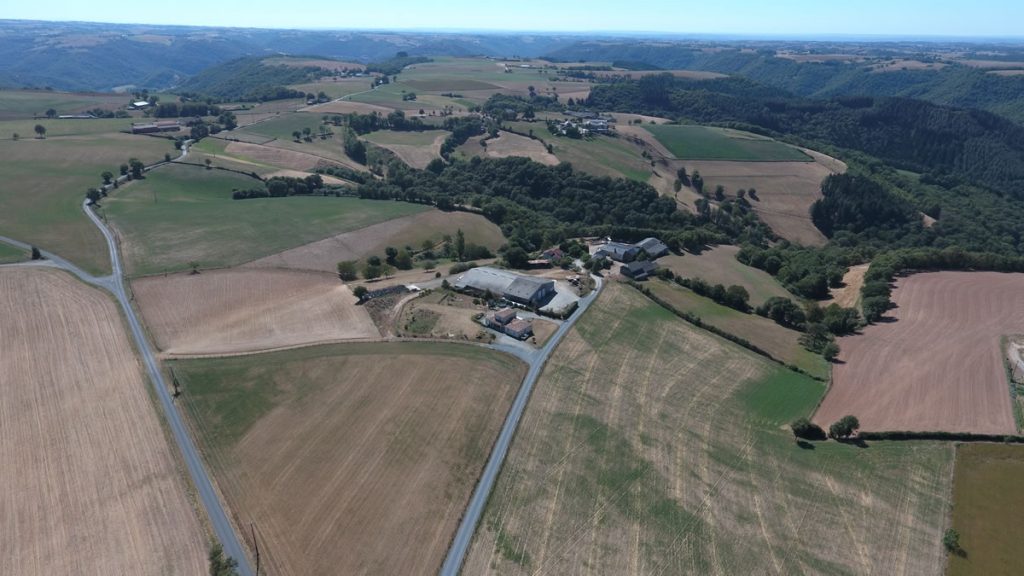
x: 509, y: 285
x: 655, y: 248
x: 639, y: 270
x: 618, y: 251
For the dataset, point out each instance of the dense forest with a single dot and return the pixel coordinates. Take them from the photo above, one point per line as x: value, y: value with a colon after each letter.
x: 249, y: 79
x: 974, y: 146
x: 954, y: 84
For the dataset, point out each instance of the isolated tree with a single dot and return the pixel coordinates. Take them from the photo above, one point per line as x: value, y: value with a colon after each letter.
x: 209, y: 163
x: 843, y: 428
x: 403, y: 261
x: 40, y: 131
x: 136, y: 166
x: 389, y: 254
x: 221, y: 565
x: 93, y: 195
x: 804, y: 428
x: 107, y: 176
x: 51, y: 113
x: 347, y: 270
x: 16, y: 136
x: 371, y: 271
x: 36, y: 255
x: 360, y: 292
x: 951, y: 541
x: 124, y: 169
x: 460, y: 244
x: 297, y: 136
x: 194, y: 266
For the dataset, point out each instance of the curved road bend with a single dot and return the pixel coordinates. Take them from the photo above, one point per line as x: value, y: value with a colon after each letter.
x: 464, y: 535
x: 200, y: 478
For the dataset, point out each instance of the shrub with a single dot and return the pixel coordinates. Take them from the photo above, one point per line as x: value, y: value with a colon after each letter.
x: 843, y: 428
x: 804, y: 428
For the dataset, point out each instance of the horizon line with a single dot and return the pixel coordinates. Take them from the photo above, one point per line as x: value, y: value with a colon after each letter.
x: 602, y: 33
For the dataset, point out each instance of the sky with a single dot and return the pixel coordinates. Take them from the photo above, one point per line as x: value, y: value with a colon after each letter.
x: 766, y: 18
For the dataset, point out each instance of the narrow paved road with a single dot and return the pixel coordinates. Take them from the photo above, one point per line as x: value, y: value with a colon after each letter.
x: 114, y: 283
x: 464, y: 535
x: 193, y: 461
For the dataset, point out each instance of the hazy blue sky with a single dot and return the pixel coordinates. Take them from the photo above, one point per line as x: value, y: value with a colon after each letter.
x: 746, y: 17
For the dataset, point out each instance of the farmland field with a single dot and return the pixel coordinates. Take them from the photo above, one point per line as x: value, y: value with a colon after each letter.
x: 45, y: 206
x: 90, y: 485
x: 29, y: 103
x: 707, y: 143
x: 324, y: 255
x: 720, y: 266
x: 987, y: 499
x: 780, y: 342
x: 652, y: 447
x: 245, y: 310
x: 508, y: 144
x: 601, y: 155
x: 416, y: 149
x: 351, y: 459
x: 938, y: 365
x: 180, y: 214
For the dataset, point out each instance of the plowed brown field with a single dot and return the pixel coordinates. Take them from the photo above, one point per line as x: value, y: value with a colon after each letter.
x: 938, y: 366
x: 245, y: 310
x: 88, y: 484
x: 353, y: 458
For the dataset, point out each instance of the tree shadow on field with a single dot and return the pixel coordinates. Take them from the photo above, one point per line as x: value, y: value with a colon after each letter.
x: 858, y: 442
x: 805, y: 445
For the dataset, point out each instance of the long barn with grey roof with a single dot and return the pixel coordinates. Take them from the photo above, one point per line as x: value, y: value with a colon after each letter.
x: 527, y: 290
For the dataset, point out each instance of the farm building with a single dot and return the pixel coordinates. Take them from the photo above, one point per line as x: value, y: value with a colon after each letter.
x: 505, y: 320
x: 617, y: 251
x: 655, y: 248
x: 552, y: 254
x: 152, y: 127
x: 509, y: 285
x: 140, y: 104
x: 639, y: 270
x: 596, y: 124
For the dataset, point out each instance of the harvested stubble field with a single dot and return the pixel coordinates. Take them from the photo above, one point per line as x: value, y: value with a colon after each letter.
x: 89, y: 482
x: 351, y: 459
x: 180, y: 214
x: 848, y: 295
x: 30, y: 103
x: 509, y: 144
x: 652, y: 447
x: 324, y: 255
x: 987, y: 499
x: 719, y: 265
x: 246, y: 310
x: 937, y: 364
x: 52, y: 175
x: 416, y: 149
x: 779, y: 342
x: 785, y: 191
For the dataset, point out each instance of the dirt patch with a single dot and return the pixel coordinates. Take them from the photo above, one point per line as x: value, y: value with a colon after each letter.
x: 442, y: 314
x: 89, y: 482
x: 347, y: 107
x: 542, y: 330
x: 243, y: 310
x: 938, y: 364
x: 325, y: 254
x: 509, y: 144
x: 848, y: 296
x: 365, y: 459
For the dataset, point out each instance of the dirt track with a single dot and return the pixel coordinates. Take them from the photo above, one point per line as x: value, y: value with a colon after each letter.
x: 240, y: 310
x: 939, y: 365
x: 89, y: 484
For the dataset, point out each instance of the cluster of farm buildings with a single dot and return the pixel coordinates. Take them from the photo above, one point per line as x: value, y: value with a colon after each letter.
x: 633, y: 265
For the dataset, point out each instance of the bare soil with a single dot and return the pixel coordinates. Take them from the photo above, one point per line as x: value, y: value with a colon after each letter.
x: 937, y: 365
x: 89, y: 483
x: 848, y: 296
x: 245, y: 310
